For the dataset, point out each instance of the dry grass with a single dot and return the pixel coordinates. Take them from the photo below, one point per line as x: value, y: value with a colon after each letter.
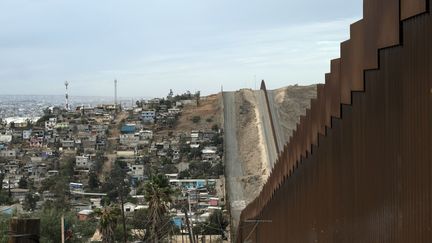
x: 209, y: 110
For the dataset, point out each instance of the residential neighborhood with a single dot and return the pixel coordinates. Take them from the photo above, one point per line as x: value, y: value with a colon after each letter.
x: 91, y: 159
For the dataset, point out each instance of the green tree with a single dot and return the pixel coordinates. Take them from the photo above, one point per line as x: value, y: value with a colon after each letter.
x: 67, y: 167
x: 50, y: 224
x: 200, y: 170
x: 109, y: 217
x: 169, y: 169
x: 30, y: 201
x: 215, y: 127
x: 197, y: 97
x: 196, y: 119
x: 4, y: 228
x: 184, y: 174
x: 157, y: 192
x: 59, y: 186
x: 140, y: 222
x: 23, y: 183
x: 93, y: 181
x: 99, y: 161
x: 2, y: 176
x: 217, y: 224
x: 116, y: 183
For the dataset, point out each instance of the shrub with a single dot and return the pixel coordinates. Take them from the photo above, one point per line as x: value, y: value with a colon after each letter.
x: 196, y: 119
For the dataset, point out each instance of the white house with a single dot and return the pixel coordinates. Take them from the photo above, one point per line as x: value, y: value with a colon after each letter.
x: 148, y: 116
x: 50, y: 124
x: 136, y: 170
x: 209, y: 153
x: 5, y: 138
x: 174, y: 111
x: 129, y: 139
x: 129, y: 207
x: 83, y: 162
x: 8, y: 153
x: 146, y: 134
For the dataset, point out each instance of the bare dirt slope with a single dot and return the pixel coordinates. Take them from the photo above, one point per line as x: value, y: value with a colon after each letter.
x: 287, y: 105
x: 249, y: 141
x: 252, y: 150
x: 245, y: 163
x: 209, y: 110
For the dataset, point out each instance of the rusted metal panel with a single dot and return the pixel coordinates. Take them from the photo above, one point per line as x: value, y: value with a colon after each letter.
x: 410, y: 8
x: 314, y: 119
x: 346, y: 72
x: 327, y: 100
x: 322, y: 108
x: 369, y: 178
x: 381, y: 28
x: 335, y: 93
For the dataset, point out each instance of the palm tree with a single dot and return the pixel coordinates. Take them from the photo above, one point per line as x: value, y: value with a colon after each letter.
x: 108, y: 222
x: 157, y: 193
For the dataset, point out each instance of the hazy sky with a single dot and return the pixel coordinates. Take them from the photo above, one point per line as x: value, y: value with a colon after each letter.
x: 151, y: 46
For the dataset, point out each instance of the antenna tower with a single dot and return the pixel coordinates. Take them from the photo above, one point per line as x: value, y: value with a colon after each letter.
x: 67, y: 96
x: 115, y: 93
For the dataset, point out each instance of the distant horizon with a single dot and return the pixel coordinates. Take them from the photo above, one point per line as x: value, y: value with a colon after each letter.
x: 143, y: 97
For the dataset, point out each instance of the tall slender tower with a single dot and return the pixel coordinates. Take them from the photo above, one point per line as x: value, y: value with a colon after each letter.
x: 115, y: 93
x: 67, y: 96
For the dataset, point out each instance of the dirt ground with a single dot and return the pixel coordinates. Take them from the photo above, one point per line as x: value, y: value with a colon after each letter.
x: 250, y: 144
x: 291, y: 102
x: 209, y: 110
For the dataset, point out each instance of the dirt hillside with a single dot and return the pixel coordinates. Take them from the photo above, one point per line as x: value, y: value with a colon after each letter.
x: 290, y: 103
x: 250, y: 144
x: 209, y: 110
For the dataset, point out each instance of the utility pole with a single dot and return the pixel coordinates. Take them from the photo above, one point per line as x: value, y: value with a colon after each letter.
x: 62, y: 229
x: 123, y: 213
x: 115, y: 93
x: 191, y: 238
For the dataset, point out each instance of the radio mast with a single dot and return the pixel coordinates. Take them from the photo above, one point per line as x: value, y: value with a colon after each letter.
x: 67, y: 96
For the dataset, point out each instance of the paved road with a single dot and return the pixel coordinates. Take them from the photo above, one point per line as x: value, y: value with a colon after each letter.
x: 266, y: 129
x: 233, y: 167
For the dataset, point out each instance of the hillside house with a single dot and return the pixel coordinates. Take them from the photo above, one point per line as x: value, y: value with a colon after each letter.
x: 136, y: 171
x: 5, y: 138
x: 129, y: 139
x: 68, y: 144
x: 83, y: 162
x: 148, y: 116
x: 26, y: 134
x: 174, y: 111
x: 36, y: 142
x: 209, y: 154
x: 128, y: 129
x: 50, y: 124
x: 146, y: 134
x: 9, y: 153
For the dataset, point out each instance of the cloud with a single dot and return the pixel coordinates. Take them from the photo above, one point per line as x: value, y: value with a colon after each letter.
x: 152, y: 46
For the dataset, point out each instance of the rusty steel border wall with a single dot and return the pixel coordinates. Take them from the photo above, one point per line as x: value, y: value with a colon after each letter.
x: 358, y: 167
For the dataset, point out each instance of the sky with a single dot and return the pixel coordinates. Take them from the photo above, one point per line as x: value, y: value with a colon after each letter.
x: 152, y: 46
